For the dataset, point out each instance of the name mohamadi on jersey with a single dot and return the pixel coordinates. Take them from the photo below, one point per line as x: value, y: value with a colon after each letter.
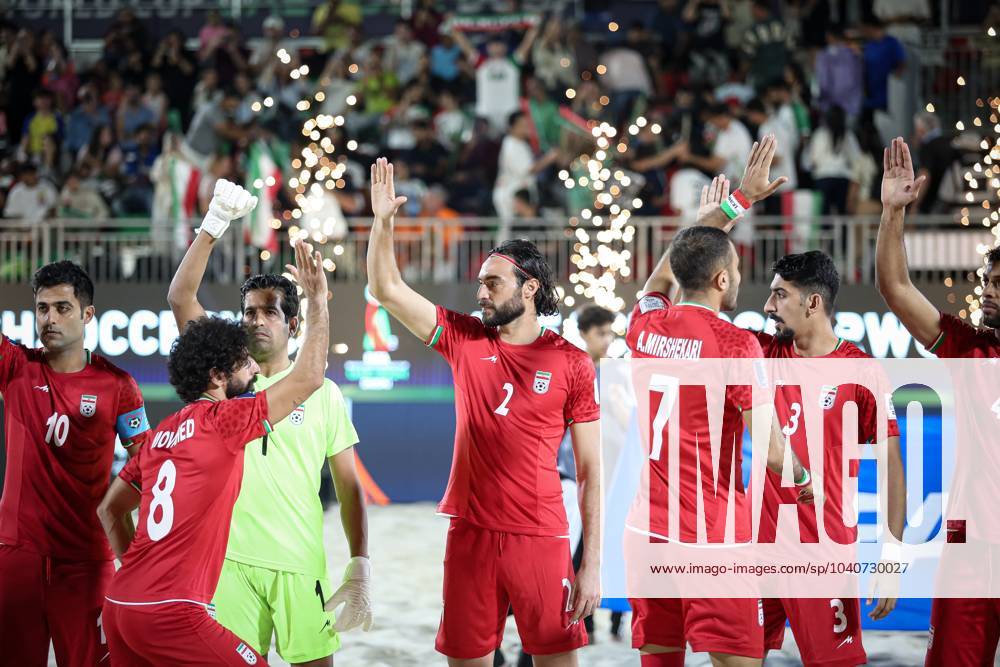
x: 513, y: 404
x: 279, y: 502
x: 685, y: 331
x: 791, y: 410
x: 61, y: 430
x: 189, y: 476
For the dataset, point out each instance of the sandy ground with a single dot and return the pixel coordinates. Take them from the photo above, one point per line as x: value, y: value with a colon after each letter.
x: 407, y: 546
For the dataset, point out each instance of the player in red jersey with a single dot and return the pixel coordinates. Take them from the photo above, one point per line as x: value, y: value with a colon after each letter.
x: 63, y: 410
x: 704, y: 263
x: 963, y: 631
x: 187, y: 479
x: 517, y: 386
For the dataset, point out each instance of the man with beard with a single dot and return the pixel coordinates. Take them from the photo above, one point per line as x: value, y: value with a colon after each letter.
x: 518, y: 386
x: 963, y: 631
x: 158, y: 608
x: 266, y: 587
x: 63, y: 409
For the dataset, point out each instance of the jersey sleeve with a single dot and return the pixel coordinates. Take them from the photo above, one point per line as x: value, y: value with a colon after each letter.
x: 581, y: 403
x: 239, y: 420
x: 131, y: 423
x: 341, y: 432
x: 132, y: 474
x: 957, y: 338
x: 747, y: 396
x: 451, y: 330
x: 11, y: 360
x: 880, y: 390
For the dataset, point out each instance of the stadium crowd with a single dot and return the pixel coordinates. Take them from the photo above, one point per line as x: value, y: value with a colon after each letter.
x: 479, y: 113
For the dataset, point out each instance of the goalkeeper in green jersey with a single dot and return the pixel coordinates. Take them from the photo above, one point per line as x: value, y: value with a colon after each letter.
x: 274, y: 579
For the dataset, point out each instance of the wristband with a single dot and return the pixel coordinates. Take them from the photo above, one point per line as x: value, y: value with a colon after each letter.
x: 735, y: 205
x: 804, y: 480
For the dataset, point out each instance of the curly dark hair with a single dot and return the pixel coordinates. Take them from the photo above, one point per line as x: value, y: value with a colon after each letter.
x: 289, y: 293
x: 527, y: 255
x: 814, y: 273
x: 65, y: 273
x: 208, y: 343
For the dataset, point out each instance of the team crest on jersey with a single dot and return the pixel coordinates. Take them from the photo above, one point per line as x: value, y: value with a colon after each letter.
x: 88, y: 405
x: 298, y: 415
x: 542, y: 380
x: 247, y: 654
x: 827, y: 396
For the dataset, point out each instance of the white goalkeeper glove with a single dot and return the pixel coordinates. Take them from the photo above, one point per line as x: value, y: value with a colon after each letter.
x: 355, y: 594
x: 229, y: 202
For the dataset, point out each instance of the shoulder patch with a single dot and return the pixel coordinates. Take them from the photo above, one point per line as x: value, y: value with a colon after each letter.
x: 650, y: 303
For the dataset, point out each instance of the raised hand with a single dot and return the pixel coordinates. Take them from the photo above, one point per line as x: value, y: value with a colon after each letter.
x: 899, y: 188
x: 229, y: 202
x: 308, y: 271
x: 756, y: 184
x: 385, y: 203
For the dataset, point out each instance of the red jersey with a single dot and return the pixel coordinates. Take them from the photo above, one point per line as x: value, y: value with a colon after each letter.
x: 190, y: 475
x: 513, y: 404
x: 660, y: 329
x: 959, y: 339
x: 61, y: 430
x: 790, y: 410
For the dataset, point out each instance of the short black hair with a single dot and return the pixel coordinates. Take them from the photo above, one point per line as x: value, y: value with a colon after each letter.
x: 992, y: 257
x: 591, y: 316
x: 513, y: 118
x: 209, y: 343
x: 756, y: 105
x: 814, y: 272
x: 65, y: 273
x: 534, y: 266
x: 718, y: 109
x: 698, y: 253
x: 287, y: 289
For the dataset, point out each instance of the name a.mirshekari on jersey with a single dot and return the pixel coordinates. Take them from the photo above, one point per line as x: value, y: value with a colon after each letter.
x: 668, y: 347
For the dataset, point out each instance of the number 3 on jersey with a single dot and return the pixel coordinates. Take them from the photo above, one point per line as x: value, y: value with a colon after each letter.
x: 165, y: 480
x: 503, y: 409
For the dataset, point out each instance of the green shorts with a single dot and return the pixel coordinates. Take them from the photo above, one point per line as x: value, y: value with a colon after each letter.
x: 256, y: 603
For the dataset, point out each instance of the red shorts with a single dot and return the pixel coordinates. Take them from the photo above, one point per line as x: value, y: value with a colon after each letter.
x: 827, y: 631
x: 485, y: 572
x: 172, y: 633
x: 730, y: 625
x: 964, y: 631
x: 44, y: 598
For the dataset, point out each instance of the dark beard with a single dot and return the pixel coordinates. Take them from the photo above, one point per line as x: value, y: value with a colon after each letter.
x: 787, y: 333
x: 233, y: 389
x: 993, y: 322
x: 505, y: 313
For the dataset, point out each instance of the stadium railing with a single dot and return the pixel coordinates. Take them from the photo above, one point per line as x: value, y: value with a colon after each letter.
x: 442, y: 251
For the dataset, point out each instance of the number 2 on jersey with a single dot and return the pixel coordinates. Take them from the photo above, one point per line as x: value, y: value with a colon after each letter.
x: 58, y: 429
x: 503, y: 409
x: 165, y: 480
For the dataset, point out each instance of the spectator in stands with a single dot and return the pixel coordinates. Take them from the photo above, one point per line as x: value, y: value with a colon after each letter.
x: 706, y: 22
x: 403, y: 53
x: 43, y: 125
x: 337, y: 85
x: 211, y: 33
x: 730, y: 143
x: 554, y: 59
x: 249, y: 96
x: 101, y: 158
x: 544, y: 114
x: 839, y: 75
x: 668, y: 27
x: 446, y: 57
x: 264, y: 57
x: 883, y: 56
x: 333, y: 20
x: 177, y: 71
x: 517, y: 168
x: 132, y: 113
x: 23, y: 73
x: 226, y: 54
x: 426, y: 23
x: 409, y: 186
x: 428, y: 159
x: 84, y: 120
x: 767, y: 44
x: 138, y: 155
x: 451, y: 123
x: 766, y: 121
x: 435, y: 205
x: 935, y: 157
x: 814, y: 21
x: 378, y: 87
x: 206, y: 91
x: 587, y: 102
x: 213, y: 125
x: 221, y: 168
x: 831, y: 156
x: 32, y: 198
x: 627, y: 78
x: 113, y: 94
x: 81, y: 199
x: 156, y: 100
x: 525, y: 207
x: 59, y: 74
x: 498, y: 76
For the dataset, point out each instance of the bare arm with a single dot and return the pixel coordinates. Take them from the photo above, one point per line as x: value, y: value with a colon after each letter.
x: 897, y: 489
x: 308, y: 371
x: 892, y: 274
x: 586, y: 449
x: 183, y: 292
x: 384, y: 280
x: 353, y: 516
x: 776, y: 454
x: 115, y: 514
x: 521, y: 53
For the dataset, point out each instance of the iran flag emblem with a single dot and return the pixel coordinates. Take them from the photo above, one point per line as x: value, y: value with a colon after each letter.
x: 542, y: 379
